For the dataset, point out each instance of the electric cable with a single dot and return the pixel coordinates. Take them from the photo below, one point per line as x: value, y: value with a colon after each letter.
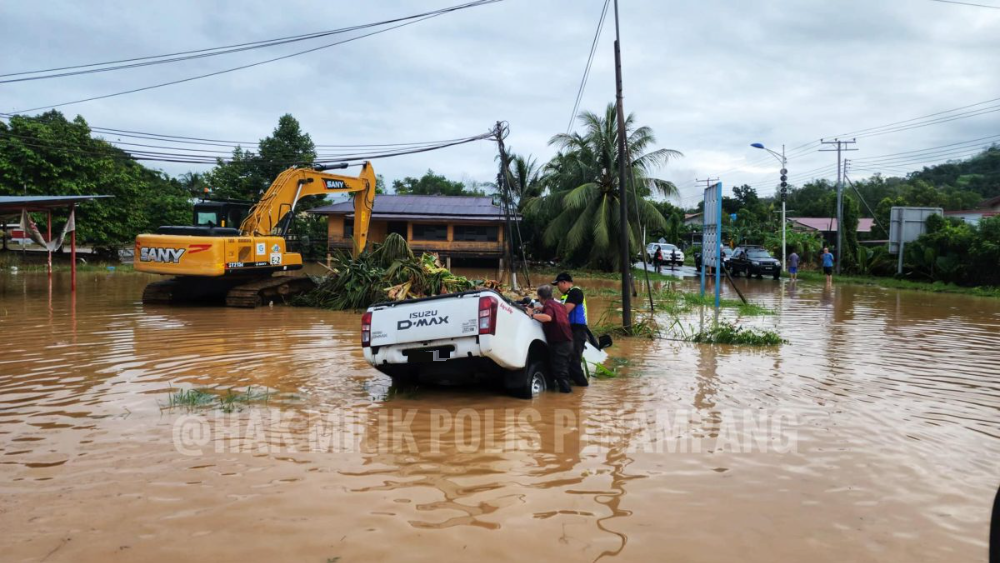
x: 258, y: 63
x: 136, y: 62
x: 586, y: 70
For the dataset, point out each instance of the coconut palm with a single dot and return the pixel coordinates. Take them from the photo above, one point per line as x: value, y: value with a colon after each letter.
x: 524, y: 178
x: 582, y: 181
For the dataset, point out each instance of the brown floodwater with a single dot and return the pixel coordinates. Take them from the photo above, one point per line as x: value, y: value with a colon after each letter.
x: 872, y: 435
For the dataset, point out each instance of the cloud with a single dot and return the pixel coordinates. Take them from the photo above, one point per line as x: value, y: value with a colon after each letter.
x: 708, y: 76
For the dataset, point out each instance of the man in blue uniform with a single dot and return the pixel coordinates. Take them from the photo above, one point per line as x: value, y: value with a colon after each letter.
x: 576, y: 307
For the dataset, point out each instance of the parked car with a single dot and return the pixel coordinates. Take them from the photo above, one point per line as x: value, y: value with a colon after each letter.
x: 671, y: 254
x: 727, y: 253
x: 471, y: 336
x: 754, y: 261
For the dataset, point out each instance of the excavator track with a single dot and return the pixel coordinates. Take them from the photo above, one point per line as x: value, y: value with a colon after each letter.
x: 234, y: 292
x: 270, y: 290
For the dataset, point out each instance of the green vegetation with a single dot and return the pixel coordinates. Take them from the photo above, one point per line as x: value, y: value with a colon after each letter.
x: 389, y: 272
x: 229, y: 402
x: 436, y: 184
x: 730, y: 333
x: 50, y: 155
x: 580, y: 210
x: 246, y: 175
x: 642, y: 327
x: 600, y: 371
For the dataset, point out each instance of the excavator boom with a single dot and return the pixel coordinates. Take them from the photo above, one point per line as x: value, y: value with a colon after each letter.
x: 274, y: 211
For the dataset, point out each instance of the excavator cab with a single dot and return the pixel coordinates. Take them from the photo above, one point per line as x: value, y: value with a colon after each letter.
x: 213, y: 218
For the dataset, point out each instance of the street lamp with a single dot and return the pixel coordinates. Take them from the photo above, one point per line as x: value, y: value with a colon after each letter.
x: 784, y: 177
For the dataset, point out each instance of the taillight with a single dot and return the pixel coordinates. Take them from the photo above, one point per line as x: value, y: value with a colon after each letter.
x: 366, y: 329
x: 487, y: 315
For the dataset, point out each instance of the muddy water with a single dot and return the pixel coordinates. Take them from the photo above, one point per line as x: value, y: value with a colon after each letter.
x: 871, y: 436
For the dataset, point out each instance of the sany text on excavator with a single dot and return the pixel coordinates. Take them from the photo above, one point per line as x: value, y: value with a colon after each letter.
x: 212, y: 259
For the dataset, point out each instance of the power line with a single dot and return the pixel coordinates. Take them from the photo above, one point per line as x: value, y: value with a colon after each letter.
x: 197, y: 54
x: 894, y: 127
x: 159, y: 156
x: 258, y: 63
x: 586, y: 70
x: 966, y: 4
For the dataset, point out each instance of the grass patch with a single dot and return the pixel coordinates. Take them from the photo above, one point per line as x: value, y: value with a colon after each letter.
x: 730, y: 333
x: 190, y: 398
x: 642, y: 328
x: 11, y: 260
x: 893, y: 283
x: 677, y: 302
x: 753, y: 309
x: 231, y: 401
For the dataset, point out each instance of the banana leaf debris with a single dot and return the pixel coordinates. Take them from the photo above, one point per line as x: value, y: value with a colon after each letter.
x: 390, y: 272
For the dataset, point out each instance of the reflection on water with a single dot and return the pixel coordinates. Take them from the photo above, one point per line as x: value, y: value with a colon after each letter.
x: 889, y: 447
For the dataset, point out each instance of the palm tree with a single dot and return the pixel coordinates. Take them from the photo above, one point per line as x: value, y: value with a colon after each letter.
x: 582, y: 181
x: 524, y: 178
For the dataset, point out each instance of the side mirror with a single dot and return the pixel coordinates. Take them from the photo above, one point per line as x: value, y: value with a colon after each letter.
x: 604, y: 341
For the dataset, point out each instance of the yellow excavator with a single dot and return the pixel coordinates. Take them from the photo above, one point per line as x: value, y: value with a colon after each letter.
x: 213, y: 259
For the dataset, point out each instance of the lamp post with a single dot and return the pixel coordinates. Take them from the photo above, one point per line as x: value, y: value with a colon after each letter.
x: 784, y: 177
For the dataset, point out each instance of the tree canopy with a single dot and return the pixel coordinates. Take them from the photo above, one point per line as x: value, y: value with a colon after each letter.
x: 50, y: 155
x: 433, y: 184
x: 247, y: 174
x: 580, y: 210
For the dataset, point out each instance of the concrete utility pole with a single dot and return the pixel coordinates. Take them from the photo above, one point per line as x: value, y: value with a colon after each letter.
x: 840, y: 191
x: 626, y: 258
x: 784, y: 196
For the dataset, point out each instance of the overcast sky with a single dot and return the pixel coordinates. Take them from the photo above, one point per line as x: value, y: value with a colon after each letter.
x: 709, y: 76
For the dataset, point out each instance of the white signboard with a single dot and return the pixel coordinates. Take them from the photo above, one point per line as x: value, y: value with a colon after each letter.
x: 906, y: 224
x: 711, y: 237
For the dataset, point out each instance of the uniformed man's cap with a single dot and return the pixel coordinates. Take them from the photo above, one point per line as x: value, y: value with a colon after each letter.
x: 563, y: 277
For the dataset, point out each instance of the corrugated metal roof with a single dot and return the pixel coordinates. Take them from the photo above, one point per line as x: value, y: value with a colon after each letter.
x: 34, y: 201
x: 422, y: 207
x: 829, y: 224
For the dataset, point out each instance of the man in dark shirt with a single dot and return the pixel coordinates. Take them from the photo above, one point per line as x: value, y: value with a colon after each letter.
x: 555, y: 323
x: 576, y: 309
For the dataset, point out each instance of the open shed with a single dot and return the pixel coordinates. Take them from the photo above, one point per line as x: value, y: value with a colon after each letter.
x: 14, y: 205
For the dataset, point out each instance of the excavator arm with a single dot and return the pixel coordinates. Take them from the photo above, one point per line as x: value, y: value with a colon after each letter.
x: 276, y: 208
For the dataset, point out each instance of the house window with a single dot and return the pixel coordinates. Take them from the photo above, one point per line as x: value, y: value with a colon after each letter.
x: 348, y: 228
x: 398, y: 227
x: 476, y: 233
x: 423, y: 231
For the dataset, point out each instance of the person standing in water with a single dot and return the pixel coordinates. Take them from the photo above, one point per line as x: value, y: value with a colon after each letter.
x: 793, y: 265
x: 827, y: 265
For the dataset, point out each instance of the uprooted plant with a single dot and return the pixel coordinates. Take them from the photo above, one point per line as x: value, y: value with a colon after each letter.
x: 390, y: 272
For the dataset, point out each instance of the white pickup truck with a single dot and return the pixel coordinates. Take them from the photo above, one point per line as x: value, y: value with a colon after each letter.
x: 472, y: 336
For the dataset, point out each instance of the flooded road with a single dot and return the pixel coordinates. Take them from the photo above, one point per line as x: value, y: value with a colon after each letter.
x: 872, y: 435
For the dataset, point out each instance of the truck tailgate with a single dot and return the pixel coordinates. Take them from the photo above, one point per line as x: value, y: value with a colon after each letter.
x: 425, y: 319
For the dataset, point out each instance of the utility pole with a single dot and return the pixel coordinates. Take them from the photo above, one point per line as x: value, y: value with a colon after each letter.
x: 840, y: 191
x: 626, y: 259
x: 505, y: 202
x: 784, y: 196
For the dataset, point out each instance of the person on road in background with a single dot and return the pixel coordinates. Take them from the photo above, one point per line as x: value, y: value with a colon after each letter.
x: 828, y: 265
x: 793, y: 265
x: 576, y: 308
x: 673, y: 258
x: 657, y: 259
x: 555, y: 323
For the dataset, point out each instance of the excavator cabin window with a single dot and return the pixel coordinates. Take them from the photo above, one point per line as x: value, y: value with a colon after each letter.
x: 229, y: 214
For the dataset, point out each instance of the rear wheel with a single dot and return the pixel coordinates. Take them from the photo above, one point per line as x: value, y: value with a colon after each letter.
x: 529, y: 382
